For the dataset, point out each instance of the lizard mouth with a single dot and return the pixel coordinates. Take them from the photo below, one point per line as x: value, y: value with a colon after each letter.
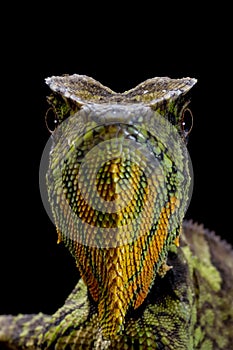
x: 116, y: 194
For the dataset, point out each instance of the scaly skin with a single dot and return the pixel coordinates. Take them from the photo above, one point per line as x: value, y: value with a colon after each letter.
x: 150, y: 281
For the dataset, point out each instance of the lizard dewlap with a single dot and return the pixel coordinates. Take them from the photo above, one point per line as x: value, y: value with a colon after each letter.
x: 119, y: 184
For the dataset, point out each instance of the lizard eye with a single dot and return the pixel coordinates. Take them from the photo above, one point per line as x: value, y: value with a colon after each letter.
x: 186, y: 121
x: 51, y: 120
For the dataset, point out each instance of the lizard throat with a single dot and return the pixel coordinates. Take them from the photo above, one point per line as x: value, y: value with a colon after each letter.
x: 120, y: 278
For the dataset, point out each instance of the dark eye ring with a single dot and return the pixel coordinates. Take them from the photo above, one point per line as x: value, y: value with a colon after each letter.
x: 50, y: 121
x: 186, y: 121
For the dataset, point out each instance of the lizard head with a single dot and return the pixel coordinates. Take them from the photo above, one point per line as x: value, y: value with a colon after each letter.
x: 119, y: 183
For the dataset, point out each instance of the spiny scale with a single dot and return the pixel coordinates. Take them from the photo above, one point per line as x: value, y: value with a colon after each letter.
x: 117, y: 191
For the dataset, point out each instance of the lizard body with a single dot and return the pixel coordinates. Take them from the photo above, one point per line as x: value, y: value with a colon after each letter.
x: 140, y: 288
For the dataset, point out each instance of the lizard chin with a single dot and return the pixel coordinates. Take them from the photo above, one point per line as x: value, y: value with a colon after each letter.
x: 120, y: 278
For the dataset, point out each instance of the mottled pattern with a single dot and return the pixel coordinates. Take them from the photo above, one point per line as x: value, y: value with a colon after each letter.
x: 149, y: 280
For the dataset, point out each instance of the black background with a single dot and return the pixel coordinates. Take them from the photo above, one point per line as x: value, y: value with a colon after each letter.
x: 120, y: 49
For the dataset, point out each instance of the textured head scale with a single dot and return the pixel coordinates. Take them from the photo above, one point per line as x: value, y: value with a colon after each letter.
x: 119, y: 183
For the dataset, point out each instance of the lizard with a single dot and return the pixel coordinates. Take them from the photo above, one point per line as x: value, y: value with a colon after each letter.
x: 119, y: 183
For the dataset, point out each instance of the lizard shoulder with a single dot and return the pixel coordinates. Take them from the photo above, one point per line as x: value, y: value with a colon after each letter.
x: 210, y: 261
